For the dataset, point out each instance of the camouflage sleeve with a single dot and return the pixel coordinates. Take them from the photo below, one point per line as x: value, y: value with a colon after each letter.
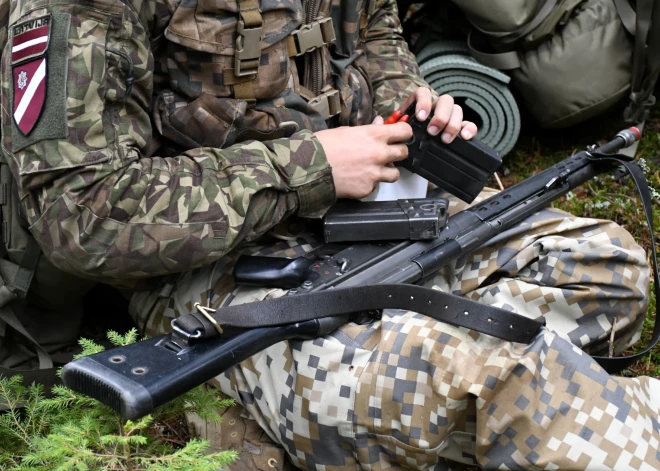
x: 101, y: 208
x: 156, y: 216
x: 392, y: 67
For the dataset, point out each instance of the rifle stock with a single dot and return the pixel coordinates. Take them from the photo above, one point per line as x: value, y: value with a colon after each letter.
x: 135, y: 379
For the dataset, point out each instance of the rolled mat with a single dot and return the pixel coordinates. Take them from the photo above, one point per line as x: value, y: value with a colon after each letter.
x: 448, y: 67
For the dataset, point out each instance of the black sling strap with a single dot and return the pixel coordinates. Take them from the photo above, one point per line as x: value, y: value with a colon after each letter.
x: 441, y: 306
x: 616, y: 364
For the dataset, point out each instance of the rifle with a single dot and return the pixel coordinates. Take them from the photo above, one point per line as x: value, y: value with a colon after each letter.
x: 135, y: 379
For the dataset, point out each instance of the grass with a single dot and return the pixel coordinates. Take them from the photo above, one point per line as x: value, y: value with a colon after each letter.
x: 603, y: 197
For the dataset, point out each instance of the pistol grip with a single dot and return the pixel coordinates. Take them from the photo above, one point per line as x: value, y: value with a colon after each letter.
x: 273, y: 272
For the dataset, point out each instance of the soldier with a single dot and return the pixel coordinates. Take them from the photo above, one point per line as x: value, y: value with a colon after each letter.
x: 153, y: 142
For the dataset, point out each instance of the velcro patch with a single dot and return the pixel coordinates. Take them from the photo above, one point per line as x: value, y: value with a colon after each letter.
x: 29, y: 44
x: 30, y: 39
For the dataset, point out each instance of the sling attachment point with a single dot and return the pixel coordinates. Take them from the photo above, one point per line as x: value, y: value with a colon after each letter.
x: 311, y: 37
x: 327, y: 104
x: 206, y: 312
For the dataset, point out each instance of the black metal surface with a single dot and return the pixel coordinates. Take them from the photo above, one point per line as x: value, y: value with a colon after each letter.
x: 462, y: 167
x: 406, y: 219
x: 135, y: 379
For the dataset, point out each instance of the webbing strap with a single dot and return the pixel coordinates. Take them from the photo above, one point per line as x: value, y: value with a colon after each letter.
x: 250, y: 14
x: 646, y: 58
x: 433, y: 303
x: 15, y: 282
x: 7, y: 315
x: 18, y: 279
x: 615, y: 364
x: 244, y: 91
x: 501, y: 61
x: 47, y: 377
x: 510, y: 37
x: 247, y: 49
x: 627, y: 15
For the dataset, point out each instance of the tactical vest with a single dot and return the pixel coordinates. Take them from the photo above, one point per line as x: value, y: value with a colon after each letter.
x: 245, y: 69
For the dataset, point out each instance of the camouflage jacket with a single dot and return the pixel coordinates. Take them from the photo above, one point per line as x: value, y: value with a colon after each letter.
x: 137, y: 154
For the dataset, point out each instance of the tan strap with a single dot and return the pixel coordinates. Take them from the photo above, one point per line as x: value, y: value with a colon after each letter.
x: 327, y: 104
x: 248, y: 42
x: 371, y: 8
x: 229, y: 78
x: 305, y: 92
x: 310, y: 37
x: 250, y: 14
x: 244, y: 91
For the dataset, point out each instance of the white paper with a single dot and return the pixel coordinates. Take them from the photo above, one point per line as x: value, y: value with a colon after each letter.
x: 409, y: 185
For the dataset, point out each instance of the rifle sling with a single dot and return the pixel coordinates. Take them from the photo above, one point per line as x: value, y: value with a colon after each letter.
x: 616, y: 364
x: 441, y: 306
x: 433, y: 303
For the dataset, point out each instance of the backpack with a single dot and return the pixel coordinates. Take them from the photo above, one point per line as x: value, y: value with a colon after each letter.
x: 570, y: 60
x: 40, y: 306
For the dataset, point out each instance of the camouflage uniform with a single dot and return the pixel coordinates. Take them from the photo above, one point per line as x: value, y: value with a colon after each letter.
x: 407, y: 391
x: 154, y: 162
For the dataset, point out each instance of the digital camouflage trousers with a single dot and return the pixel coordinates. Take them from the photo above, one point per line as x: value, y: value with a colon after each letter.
x: 406, y: 391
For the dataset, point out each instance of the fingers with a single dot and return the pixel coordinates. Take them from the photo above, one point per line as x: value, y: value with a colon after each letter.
x: 454, y: 125
x: 423, y: 99
x: 396, y: 152
x: 444, y: 108
x: 424, y: 103
x: 469, y: 130
x: 390, y: 174
x: 394, y: 133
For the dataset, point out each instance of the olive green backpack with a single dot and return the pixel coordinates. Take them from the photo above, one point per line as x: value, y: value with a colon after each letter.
x: 40, y: 306
x: 570, y: 60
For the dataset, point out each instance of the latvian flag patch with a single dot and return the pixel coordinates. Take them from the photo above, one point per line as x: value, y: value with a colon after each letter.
x: 28, y: 58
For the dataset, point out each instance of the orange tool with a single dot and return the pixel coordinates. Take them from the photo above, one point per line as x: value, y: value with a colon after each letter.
x: 396, y: 117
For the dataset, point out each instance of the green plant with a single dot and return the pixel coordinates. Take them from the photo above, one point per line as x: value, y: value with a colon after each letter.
x: 69, y: 431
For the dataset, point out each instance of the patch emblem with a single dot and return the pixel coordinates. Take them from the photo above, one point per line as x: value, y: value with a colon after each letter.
x: 22, y: 79
x: 30, y: 41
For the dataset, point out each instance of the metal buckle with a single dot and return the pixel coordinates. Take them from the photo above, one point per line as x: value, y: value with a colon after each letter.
x: 182, y: 334
x: 206, y: 312
x: 327, y: 104
x: 290, y: 127
x: 310, y: 37
x: 248, y: 47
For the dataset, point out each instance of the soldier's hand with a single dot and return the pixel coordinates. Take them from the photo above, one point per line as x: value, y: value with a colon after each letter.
x: 447, y: 117
x: 363, y: 156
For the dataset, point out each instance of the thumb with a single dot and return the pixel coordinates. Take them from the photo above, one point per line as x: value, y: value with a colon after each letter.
x: 378, y: 120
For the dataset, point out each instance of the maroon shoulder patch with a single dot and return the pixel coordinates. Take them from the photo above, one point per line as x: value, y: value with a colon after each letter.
x: 28, y: 59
